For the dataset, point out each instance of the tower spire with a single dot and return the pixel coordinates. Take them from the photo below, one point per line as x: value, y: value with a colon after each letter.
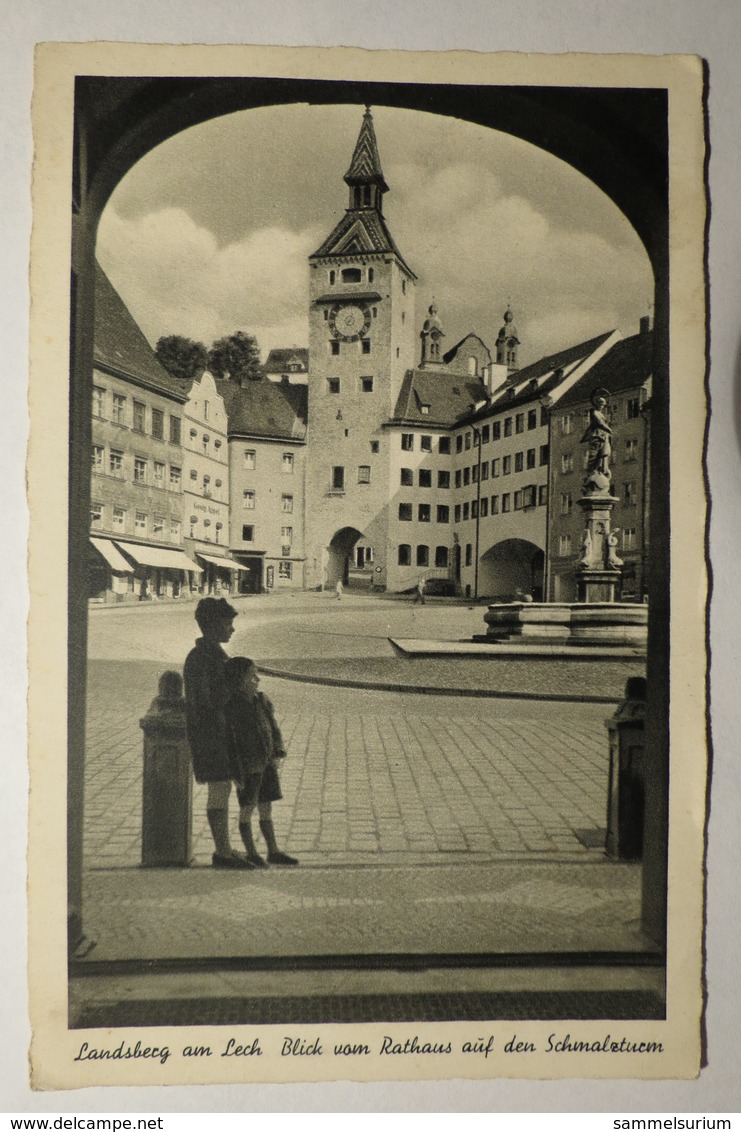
x: 365, y: 177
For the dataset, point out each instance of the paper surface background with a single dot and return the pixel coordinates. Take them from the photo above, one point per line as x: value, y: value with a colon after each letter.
x: 511, y: 1095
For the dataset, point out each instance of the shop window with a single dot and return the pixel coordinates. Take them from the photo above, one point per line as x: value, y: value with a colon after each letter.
x: 285, y: 571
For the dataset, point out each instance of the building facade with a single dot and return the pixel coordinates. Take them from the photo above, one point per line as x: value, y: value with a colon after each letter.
x: 136, y: 514
x: 624, y: 378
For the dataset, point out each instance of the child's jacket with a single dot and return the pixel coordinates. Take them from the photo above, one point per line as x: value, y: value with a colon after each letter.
x: 254, y: 735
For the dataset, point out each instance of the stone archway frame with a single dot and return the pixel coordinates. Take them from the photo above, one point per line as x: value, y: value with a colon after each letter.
x: 615, y: 135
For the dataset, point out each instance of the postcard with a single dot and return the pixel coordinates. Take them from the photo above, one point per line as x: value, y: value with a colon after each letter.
x: 368, y: 579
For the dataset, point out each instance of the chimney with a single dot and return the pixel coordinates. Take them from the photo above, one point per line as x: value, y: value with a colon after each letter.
x: 645, y: 324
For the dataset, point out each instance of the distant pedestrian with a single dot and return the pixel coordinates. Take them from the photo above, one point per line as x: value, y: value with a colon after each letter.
x: 256, y: 748
x: 419, y: 592
x: 208, y: 737
x: 339, y: 589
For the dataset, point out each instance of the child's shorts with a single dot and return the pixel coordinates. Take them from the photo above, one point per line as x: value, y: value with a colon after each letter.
x: 264, y: 787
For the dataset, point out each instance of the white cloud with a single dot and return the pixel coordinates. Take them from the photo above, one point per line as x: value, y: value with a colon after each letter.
x: 175, y: 278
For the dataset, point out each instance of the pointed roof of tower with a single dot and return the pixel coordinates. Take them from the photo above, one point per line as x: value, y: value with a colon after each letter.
x: 366, y: 163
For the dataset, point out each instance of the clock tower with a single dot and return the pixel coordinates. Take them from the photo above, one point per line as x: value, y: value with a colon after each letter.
x: 361, y: 343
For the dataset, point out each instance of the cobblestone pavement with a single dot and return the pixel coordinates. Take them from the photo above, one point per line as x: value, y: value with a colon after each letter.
x: 374, y: 776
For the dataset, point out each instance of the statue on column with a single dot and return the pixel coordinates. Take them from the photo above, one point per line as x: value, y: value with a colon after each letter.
x: 598, y: 436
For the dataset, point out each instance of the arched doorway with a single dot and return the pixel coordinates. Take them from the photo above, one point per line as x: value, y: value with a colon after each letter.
x: 616, y: 137
x: 340, y: 556
x: 510, y: 569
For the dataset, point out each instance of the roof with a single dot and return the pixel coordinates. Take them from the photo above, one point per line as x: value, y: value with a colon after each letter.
x: 451, y: 354
x: 366, y: 162
x: 628, y: 365
x: 120, y: 346
x: 277, y: 360
x: 263, y: 408
x: 361, y: 232
x: 449, y: 396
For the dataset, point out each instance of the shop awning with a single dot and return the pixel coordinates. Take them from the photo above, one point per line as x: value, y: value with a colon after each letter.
x: 159, y: 557
x: 224, y: 563
x: 112, y: 555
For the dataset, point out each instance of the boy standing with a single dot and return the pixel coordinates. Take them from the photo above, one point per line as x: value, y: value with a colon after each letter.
x: 206, y: 728
x: 256, y: 747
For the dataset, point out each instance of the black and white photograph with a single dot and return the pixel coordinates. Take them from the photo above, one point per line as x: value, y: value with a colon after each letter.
x: 385, y: 573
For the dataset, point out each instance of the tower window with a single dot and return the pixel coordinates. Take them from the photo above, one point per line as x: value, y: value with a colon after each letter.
x: 338, y: 478
x: 374, y: 446
x: 371, y: 274
x: 326, y: 314
x: 248, y: 533
x: 366, y: 345
x: 351, y: 275
x: 333, y: 384
x: 366, y: 385
x: 403, y: 286
x: 334, y: 347
x: 332, y: 278
x: 364, y: 473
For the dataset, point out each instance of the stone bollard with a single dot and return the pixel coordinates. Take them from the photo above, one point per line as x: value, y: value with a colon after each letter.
x: 625, y: 791
x: 167, y: 780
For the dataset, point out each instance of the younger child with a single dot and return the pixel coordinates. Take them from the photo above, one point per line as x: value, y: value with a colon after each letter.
x: 255, y: 747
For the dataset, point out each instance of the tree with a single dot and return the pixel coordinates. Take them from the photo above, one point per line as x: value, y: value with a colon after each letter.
x: 236, y: 357
x: 181, y: 357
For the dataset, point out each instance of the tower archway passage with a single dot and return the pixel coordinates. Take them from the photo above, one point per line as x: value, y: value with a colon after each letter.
x: 512, y: 568
x: 339, y: 556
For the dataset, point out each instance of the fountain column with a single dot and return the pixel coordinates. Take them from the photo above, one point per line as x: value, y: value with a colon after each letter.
x: 598, y: 572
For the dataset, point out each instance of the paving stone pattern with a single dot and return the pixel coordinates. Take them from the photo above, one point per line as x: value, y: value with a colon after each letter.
x: 373, y: 777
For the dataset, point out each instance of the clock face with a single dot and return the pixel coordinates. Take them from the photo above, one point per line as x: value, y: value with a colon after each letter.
x: 349, y: 321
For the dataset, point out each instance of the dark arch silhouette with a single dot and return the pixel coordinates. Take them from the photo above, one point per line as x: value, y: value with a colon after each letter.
x: 616, y: 137
x: 338, y: 556
x: 511, y: 568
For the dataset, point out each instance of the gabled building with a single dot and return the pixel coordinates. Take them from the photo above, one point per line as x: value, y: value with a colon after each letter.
x: 289, y: 365
x: 206, y: 487
x: 624, y: 377
x: 136, y: 513
x: 502, y: 453
x: 267, y: 473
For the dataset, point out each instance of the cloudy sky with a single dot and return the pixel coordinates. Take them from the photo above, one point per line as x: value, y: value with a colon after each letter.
x: 210, y: 232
